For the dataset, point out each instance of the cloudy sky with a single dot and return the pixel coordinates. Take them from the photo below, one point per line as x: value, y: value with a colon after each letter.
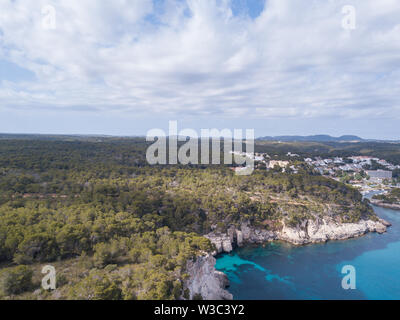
x: 123, y: 67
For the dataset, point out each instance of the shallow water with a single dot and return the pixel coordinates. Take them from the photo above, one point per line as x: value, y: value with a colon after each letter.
x: 283, y: 271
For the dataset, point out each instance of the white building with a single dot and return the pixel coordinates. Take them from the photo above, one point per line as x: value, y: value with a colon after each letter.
x: 273, y: 163
x: 379, y: 175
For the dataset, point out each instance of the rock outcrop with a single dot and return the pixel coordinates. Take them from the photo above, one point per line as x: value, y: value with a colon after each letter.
x: 205, y: 280
x: 383, y: 204
x: 321, y: 230
x: 222, y: 241
x: 311, y: 231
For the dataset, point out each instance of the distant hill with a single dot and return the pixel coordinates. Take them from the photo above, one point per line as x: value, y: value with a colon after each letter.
x: 98, y: 138
x: 53, y: 137
x: 315, y: 138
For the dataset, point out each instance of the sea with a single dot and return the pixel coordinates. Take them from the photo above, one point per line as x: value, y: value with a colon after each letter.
x: 278, y: 270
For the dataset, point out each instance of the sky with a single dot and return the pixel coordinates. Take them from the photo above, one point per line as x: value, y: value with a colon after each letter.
x: 123, y: 67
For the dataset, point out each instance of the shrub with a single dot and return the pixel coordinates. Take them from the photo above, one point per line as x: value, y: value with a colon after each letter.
x: 15, y: 280
x: 198, y: 296
x: 96, y: 286
x: 105, y: 254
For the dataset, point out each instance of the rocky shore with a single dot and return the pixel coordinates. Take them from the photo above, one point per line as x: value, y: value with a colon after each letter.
x: 383, y: 204
x: 205, y: 280
x: 311, y: 231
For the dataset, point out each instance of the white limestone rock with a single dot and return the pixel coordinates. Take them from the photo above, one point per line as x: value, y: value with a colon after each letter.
x: 311, y: 231
x: 227, y: 245
x: 321, y: 230
x: 246, y: 231
x: 222, y: 242
x: 204, y: 279
x: 239, y: 238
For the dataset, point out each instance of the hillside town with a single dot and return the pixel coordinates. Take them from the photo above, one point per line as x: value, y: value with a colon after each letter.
x: 366, y: 173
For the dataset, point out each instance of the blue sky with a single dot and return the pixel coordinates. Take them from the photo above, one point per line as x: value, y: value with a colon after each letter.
x: 124, y: 67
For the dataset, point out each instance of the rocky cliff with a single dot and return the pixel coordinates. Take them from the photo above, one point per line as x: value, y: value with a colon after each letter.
x: 311, y: 231
x: 205, y: 280
x: 381, y: 203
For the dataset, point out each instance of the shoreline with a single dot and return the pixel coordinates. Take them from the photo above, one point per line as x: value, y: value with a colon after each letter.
x: 212, y: 284
x: 381, y: 203
x: 312, y: 231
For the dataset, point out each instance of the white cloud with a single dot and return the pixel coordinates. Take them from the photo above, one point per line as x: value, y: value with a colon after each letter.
x: 197, y: 57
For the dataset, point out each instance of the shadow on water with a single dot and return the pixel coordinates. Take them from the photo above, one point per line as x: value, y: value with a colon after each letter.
x: 279, y: 270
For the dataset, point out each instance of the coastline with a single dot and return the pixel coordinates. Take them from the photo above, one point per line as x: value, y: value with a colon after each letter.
x: 381, y: 203
x: 311, y: 231
x: 204, y: 279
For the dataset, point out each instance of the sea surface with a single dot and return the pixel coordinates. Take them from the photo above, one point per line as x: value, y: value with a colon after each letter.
x: 279, y: 270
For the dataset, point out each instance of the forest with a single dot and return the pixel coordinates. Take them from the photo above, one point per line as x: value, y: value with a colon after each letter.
x: 117, y: 228
x: 392, y: 197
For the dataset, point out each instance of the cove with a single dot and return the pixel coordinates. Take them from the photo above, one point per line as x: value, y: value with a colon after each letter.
x: 280, y: 270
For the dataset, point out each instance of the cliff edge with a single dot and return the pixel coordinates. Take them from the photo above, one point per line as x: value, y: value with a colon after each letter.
x: 205, y: 280
x: 311, y: 231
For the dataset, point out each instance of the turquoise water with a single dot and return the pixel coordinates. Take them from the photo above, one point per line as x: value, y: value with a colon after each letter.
x: 282, y: 271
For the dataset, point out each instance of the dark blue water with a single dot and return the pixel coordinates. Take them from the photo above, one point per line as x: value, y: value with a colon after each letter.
x: 283, y: 271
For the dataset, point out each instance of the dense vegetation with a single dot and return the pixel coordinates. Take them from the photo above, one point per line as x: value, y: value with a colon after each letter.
x: 117, y: 228
x: 392, y: 197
